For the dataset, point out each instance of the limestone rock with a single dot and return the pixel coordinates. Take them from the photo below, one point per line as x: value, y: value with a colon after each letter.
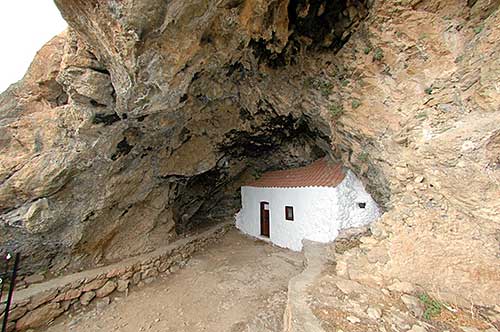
x: 150, y: 273
x: 148, y: 281
x: 66, y: 304
x: 353, y: 319
x: 348, y: 286
x: 107, y: 289
x: 413, y: 304
x: 142, y: 120
x: 87, y: 85
x: 469, y: 329
x: 136, y: 278
x: 42, y: 298
x: 39, y: 316
x: 103, y: 303
x: 17, y: 313
x: 72, y: 294
x: 402, y: 287
x: 33, y: 279
x: 417, y: 328
x: 93, y: 285
x: 87, y: 297
x: 374, y: 312
x: 113, y: 128
x: 122, y: 285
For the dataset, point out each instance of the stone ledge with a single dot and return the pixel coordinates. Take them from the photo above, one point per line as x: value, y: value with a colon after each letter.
x: 298, y: 316
x: 41, y: 303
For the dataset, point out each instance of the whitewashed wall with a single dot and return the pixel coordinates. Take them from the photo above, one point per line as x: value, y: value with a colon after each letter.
x: 319, y: 212
x: 349, y: 193
x: 312, y: 209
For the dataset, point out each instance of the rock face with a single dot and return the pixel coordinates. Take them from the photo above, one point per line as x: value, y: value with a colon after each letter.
x: 143, y: 120
x: 146, y: 118
x: 428, y: 122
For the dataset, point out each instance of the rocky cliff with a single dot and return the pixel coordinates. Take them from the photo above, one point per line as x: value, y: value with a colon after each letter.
x: 142, y: 121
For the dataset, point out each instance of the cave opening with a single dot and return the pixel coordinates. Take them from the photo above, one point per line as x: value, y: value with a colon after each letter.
x: 214, y: 196
x: 286, y: 141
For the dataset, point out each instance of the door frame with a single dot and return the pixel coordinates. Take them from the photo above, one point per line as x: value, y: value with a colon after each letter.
x: 265, y: 231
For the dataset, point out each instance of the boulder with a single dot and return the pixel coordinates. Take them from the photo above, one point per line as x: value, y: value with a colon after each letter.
x: 93, y: 285
x: 105, y: 290
x: 42, y: 298
x: 413, y: 304
x: 39, y: 317
x: 87, y: 297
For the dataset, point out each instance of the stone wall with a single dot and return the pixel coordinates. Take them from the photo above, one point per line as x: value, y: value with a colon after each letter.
x: 40, y: 304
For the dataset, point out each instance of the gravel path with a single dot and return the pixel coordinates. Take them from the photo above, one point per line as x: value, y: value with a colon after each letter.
x: 235, y: 285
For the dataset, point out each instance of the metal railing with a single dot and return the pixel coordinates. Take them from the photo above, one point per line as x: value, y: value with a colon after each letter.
x: 8, y: 274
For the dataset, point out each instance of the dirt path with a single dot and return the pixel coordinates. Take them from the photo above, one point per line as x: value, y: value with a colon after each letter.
x: 236, y: 285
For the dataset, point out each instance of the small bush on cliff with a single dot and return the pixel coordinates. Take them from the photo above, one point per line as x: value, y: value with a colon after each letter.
x: 432, y: 307
x: 421, y: 116
x: 38, y: 143
x: 355, y: 103
x: 323, y: 86
x: 326, y: 88
x: 336, y: 110
x: 363, y: 156
x: 378, y: 54
x: 478, y: 29
x: 428, y: 90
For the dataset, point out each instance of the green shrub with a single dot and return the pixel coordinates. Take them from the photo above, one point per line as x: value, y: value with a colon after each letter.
x: 421, y: 115
x: 459, y: 58
x: 363, y: 156
x: 432, y: 307
x: 428, y: 90
x: 38, y: 144
x: 478, y: 29
x: 378, y: 54
x: 336, y: 110
x: 367, y: 50
x: 355, y: 103
x: 325, y: 88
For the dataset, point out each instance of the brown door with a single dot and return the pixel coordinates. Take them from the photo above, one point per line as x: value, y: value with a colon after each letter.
x: 264, y: 219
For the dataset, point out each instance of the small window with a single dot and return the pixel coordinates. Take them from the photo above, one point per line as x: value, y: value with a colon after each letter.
x: 289, y: 213
x: 362, y: 205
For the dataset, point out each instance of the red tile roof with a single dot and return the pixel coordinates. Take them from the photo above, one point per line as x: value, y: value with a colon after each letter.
x: 320, y: 173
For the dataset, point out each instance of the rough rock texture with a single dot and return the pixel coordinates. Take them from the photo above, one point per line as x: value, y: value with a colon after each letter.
x: 149, y: 119
x: 320, y: 300
x: 429, y: 122
x: 39, y: 304
x: 147, y: 116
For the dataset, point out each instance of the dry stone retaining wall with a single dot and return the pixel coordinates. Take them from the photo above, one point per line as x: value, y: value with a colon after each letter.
x: 41, y: 303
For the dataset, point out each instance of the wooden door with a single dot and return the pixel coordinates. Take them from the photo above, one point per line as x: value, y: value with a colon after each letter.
x: 264, y: 219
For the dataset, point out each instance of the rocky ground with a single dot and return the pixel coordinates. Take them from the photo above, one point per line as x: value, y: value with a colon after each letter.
x: 236, y: 285
x: 345, y: 305
x: 146, y: 116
